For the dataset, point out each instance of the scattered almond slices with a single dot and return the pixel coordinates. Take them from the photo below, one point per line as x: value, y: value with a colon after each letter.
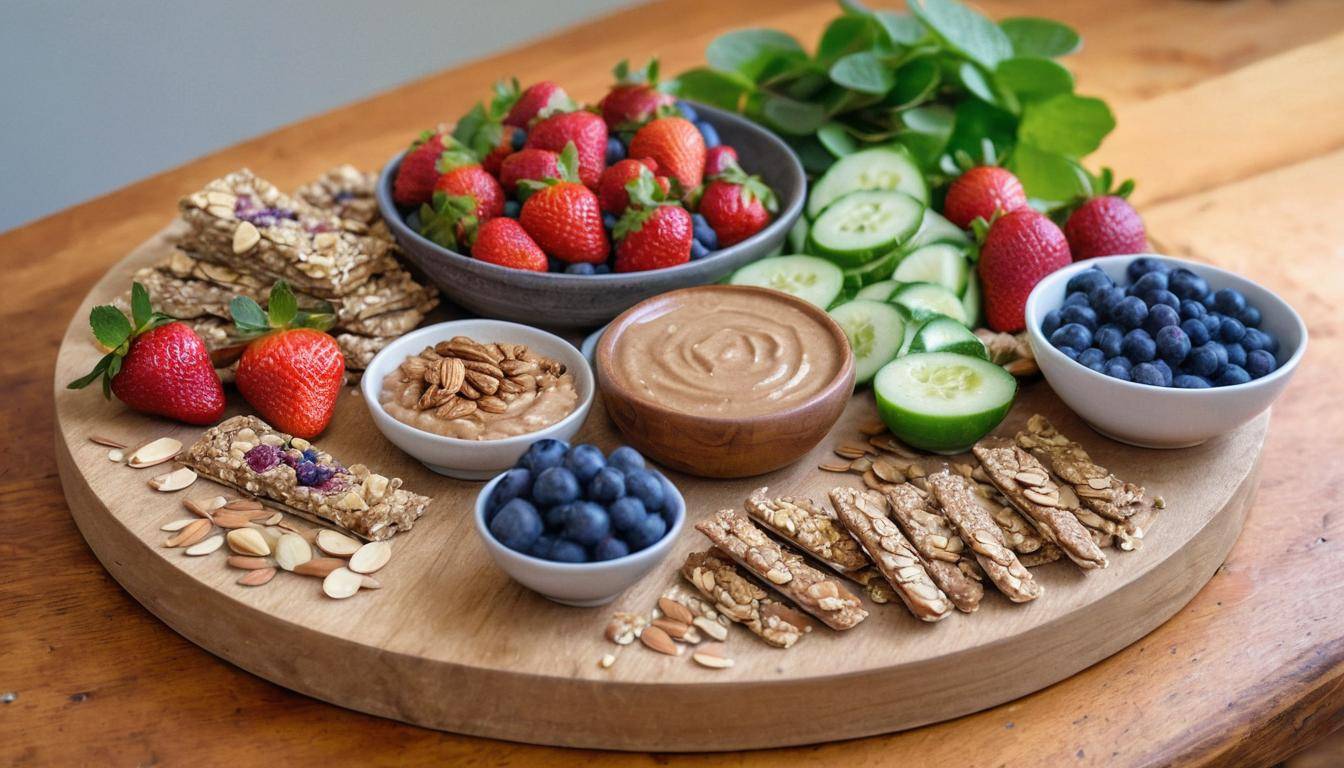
x: 248, y: 563
x: 291, y: 551
x: 711, y: 655
x: 205, y: 546
x: 321, y: 567
x: 116, y: 455
x: 190, y: 534
x: 248, y: 541
x: 178, y: 479
x: 108, y: 442
x: 656, y: 639
x: 370, y: 557
x: 178, y: 525
x: 258, y: 577
x: 154, y: 452
x: 204, y: 507
x: 342, y: 583
x: 336, y: 544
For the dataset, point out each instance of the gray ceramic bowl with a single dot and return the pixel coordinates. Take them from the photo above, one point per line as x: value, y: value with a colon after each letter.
x: 579, y: 301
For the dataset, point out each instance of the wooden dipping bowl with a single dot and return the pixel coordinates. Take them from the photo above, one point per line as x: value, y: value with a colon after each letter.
x: 721, y: 446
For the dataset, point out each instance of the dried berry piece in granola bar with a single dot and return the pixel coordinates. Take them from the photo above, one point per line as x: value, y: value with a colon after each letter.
x: 742, y: 601
x: 938, y: 543
x: 810, y: 527
x: 960, y: 504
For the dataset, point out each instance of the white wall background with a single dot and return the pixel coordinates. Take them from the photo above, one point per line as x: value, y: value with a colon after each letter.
x: 95, y: 94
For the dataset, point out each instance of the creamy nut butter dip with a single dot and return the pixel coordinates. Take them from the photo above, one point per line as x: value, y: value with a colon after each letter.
x: 727, y: 353
x: 465, y: 389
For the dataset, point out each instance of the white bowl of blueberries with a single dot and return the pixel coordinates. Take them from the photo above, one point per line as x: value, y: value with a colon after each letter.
x: 1160, y: 352
x: 577, y: 526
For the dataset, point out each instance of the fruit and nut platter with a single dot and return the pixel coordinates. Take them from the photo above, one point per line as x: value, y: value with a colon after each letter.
x: 929, y: 397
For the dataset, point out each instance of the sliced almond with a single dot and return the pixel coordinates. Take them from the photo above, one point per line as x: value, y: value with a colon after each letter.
x: 656, y: 639
x: 710, y: 627
x: 228, y: 519
x: 116, y: 455
x: 336, y: 544
x: 291, y: 551
x: 257, y: 578
x: 341, y: 583
x: 246, y: 563
x: 607, y: 660
x: 368, y: 582
x: 872, y: 428
x: 245, y: 237
x: 674, y: 629
x: 1027, y: 477
x: 176, y: 480
x: 370, y: 557
x: 319, y: 566
x: 154, y: 452
x: 273, y: 519
x: 713, y: 658
x: 271, y: 535
x: 243, y: 505
x: 204, y: 507
x: 107, y: 441
x: 248, y: 541
x: 834, y: 467
x: 178, y: 525
x: 307, y: 534
x: 190, y: 534
x: 675, y: 611
x: 205, y: 546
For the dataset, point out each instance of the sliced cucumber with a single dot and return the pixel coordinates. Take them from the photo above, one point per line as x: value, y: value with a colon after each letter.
x: 876, y: 270
x: 943, y: 334
x: 942, y: 402
x: 970, y: 300
x: 941, y: 263
x: 926, y: 299
x: 797, y: 237
x: 937, y: 229
x: 879, y: 291
x: 814, y: 280
x: 881, y: 168
x: 862, y: 225
x: 875, y: 330
x: 912, y: 327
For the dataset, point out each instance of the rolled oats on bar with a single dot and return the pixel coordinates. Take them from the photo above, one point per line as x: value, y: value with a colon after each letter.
x: 865, y: 516
x: 938, y: 543
x: 959, y: 502
x: 810, y: 527
x: 742, y: 601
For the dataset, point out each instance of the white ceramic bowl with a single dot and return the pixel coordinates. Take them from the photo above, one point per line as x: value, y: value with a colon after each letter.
x: 1163, y: 417
x: 474, y: 459
x: 581, y: 584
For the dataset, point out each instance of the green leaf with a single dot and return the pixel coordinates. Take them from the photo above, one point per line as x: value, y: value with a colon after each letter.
x: 977, y: 82
x: 915, y: 82
x: 141, y: 310
x: 1044, y: 38
x: 934, y: 119
x: 863, y: 72
x: 248, y: 314
x: 811, y: 153
x: 790, y: 116
x: 900, y: 28
x: 836, y: 139
x: 720, y: 89
x: 282, y: 306
x: 750, y: 51
x: 91, y: 376
x: 110, y: 326
x: 569, y: 162
x: 1066, y: 124
x: 964, y: 31
x: 845, y: 35
x: 1034, y: 79
x: 928, y: 129
x: 977, y: 121
x: 1048, y: 175
x: 470, y: 123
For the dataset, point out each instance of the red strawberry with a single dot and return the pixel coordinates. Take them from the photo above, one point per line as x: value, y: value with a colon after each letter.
x: 737, y: 206
x: 414, y: 182
x: 585, y: 130
x: 676, y: 145
x: 293, y: 372
x: 613, y: 192
x: 494, y: 159
x: 473, y: 181
x: 635, y: 98
x: 1105, y: 226
x: 504, y: 242
x: 564, y: 217
x: 981, y: 191
x: 534, y: 164
x: 719, y: 159
x: 1020, y: 248
x: 449, y: 220
x: 653, y: 238
x: 157, y: 366
x: 539, y: 99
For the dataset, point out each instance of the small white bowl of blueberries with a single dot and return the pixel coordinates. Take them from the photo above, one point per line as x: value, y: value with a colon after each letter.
x: 578, y: 526
x: 1160, y: 352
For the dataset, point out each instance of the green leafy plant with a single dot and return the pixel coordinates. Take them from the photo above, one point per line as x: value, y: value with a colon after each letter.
x: 941, y: 80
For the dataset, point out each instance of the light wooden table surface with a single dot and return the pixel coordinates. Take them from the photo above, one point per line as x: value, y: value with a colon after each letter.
x: 1231, y: 119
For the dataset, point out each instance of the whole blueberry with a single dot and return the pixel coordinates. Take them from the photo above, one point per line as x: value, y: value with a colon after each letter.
x: 1188, y: 381
x: 515, y: 483
x: 1229, y: 301
x: 1087, y: 280
x: 1212, y: 322
x: 698, y: 250
x: 1196, y: 331
x: 607, y: 485
x: 1076, y: 298
x: 1074, y: 335
x: 1172, y: 344
x: 1152, y: 281
x: 609, y: 221
x: 543, y: 455
x: 1164, y: 369
x: 1207, y: 301
x: 1271, y: 343
x: 1050, y: 323
x: 1117, y: 371
x: 1130, y: 312
x: 1143, y: 265
x: 1236, y: 354
x: 1250, y: 316
x: 1259, y: 363
x: 1105, y: 299
x: 626, y: 459
x: 601, y: 269
x: 1108, y: 338
x: 709, y: 133
x: 518, y: 139
x: 565, y: 551
x: 584, y: 461
x: 702, y: 231
x: 555, y: 517
x: 1159, y: 317
x: 1069, y: 352
x: 588, y: 524
x: 1186, y: 284
x: 310, y: 454
x: 610, y: 548
x: 1146, y: 373
x: 1092, y: 358
x: 615, y: 151
x: 626, y: 513
x: 1255, y: 339
x: 542, y: 546
x: 649, y: 531
x: 687, y: 111
x: 580, y: 268
x: 1192, y: 310
x: 512, y: 208
x: 1231, y: 330
x: 1137, y: 345
x: 1202, y: 360
x: 647, y: 487
x: 1232, y: 375
x: 1122, y: 361
x: 1160, y: 298
x: 1080, y: 314
x: 556, y: 485
x: 309, y: 474
x: 516, y: 525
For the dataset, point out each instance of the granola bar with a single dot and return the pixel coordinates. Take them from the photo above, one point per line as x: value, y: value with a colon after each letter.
x: 810, y: 527
x: 1098, y: 489
x: 345, y: 192
x: 939, y: 545
x: 786, y: 571
x: 960, y: 503
x: 866, y: 518
x: 735, y: 596
x: 1027, y: 484
x: 246, y: 453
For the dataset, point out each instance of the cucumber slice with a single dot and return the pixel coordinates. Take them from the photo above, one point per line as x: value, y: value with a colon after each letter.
x: 943, y: 334
x: 942, y: 402
x: 879, y: 291
x: 926, y: 299
x: 875, y: 330
x: 797, y: 237
x: 862, y: 225
x: 937, y: 229
x: 811, y: 279
x: 970, y: 300
x: 881, y: 168
x: 940, y: 263
x: 912, y: 327
x: 876, y: 270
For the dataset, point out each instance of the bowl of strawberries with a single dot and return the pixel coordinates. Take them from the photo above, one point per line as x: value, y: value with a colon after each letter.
x: 536, y: 209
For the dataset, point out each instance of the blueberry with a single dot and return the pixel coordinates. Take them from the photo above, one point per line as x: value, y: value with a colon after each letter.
x: 588, y: 524
x: 1202, y: 360
x: 1229, y: 301
x: 1221, y: 352
x: 558, y: 515
x: 1159, y: 298
x: 307, y: 473
x: 698, y: 250
x: 1105, y: 299
x: 649, y: 531
x: 584, y: 461
x: 1232, y: 375
x: 581, y: 268
x: 687, y: 111
x: 615, y: 151
x: 1255, y: 339
x: 601, y: 269
x: 709, y: 133
x: 610, y: 548
x: 1259, y: 363
x: 1137, y: 345
x: 1212, y: 322
x: 1197, y: 332
x: 1271, y: 343
x: 1172, y: 344
x: 1130, y: 312
x: 1077, y: 298
x: 1088, y: 280
x: 1074, y: 335
x: 518, y: 139
x: 556, y: 485
x: 1207, y: 301
x: 609, y: 221
x: 1231, y: 330
x: 1236, y: 354
x: 1050, y: 323
x: 542, y: 547
x: 1165, y: 370
x: 512, y: 208
x: 310, y: 454
x: 516, y: 525
x: 1108, y: 338
x: 1186, y: 284
x: 647, y: 487
x: 555, y: 265
x: 543, y: 455
x: 1249, y: 317
x: 1159, y: 317
x: 1069, y: 352
x: 1080, y: 314
x: 1146, y: 373
x: 1152, y: 281
x: 1122, y: 361
x: 607, y: 485
x: 515, y: 483
x: 626, y: 513
x: 1187, y: 381
x: 702, y: 231
x: 564, y: 551
x: 1143, y: 265
x: 1092, y: 358
x: 1192, y: 310
x: 1117, y: 371
x: 626, y: 459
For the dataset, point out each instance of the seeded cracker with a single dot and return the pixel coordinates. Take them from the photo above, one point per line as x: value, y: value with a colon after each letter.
x: 810, y: 527
x: 938, y: 543
x: 741, y: 601
x: 960, y: 503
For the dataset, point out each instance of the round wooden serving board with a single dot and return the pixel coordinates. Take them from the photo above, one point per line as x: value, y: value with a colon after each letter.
x: 451, y: 643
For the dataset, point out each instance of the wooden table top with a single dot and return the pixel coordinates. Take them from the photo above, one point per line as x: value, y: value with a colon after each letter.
x: 1230, y: 118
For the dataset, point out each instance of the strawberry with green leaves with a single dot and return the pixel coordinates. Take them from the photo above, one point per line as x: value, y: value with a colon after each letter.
x: 292, y: 371
x: 676, y: 145
x: 635, y: 98
x: 737, y: 205
x: 482, y: 129
x: 1018, y: 249
x: 460, y: 174
x: 414, y: 182
x: 528, y: 164
x: 156, y: 365
x: 612, y: 190
x: 719, y: 159
x: 653, y: 233
x: 1105, y: 224
x: 585, y: 131
x: 539, y: 100
x: 504, y: 242
x: 563, y: 216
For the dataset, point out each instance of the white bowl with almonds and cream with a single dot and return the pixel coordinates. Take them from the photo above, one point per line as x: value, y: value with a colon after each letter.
x: 467, y: 397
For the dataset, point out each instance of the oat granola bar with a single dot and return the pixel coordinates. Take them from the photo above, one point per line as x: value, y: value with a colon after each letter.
x: 1027, y: 484
x: 290, y: 474
x: 935, y: 540
x: 736, y: 597
x: 865, y: 516
x: 1098, y: 489
x: 810, y: 527
x: 344, y: 191
x: 957, y: 497
x: 786, y: 571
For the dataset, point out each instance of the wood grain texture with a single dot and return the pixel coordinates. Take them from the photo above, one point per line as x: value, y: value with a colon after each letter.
x: 1248, y: 673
